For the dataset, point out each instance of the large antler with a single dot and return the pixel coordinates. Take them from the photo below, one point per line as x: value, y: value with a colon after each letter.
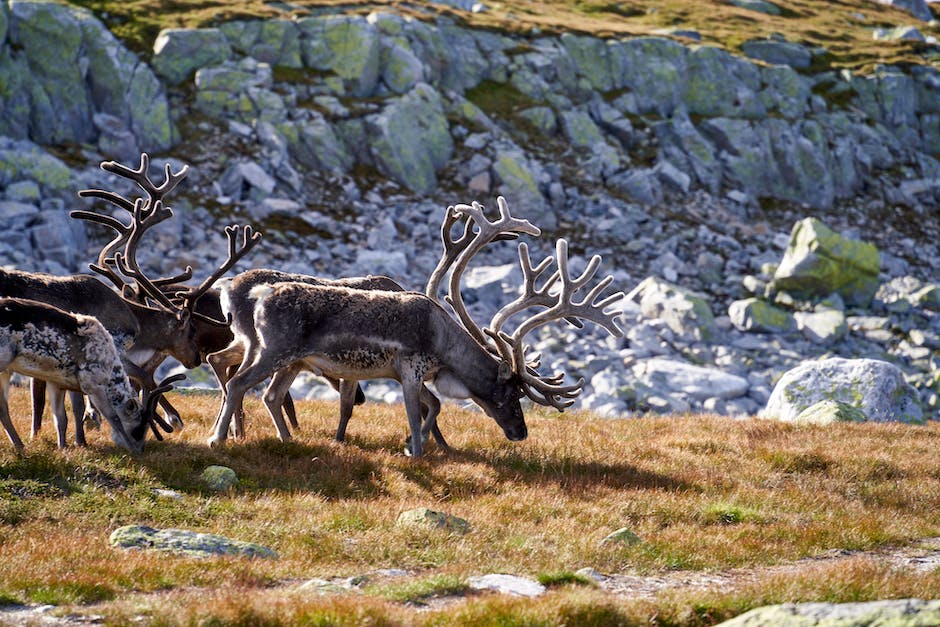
x: 478, y: 232
x: 557, y: 298
x: 145, y: 214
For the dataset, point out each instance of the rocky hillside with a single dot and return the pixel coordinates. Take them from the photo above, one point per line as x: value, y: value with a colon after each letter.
x: 685, y: 160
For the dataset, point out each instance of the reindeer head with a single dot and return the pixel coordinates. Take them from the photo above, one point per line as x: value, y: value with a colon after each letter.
x: 555, y: 299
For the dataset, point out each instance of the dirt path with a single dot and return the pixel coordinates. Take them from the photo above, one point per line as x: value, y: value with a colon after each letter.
x: 922, y: 556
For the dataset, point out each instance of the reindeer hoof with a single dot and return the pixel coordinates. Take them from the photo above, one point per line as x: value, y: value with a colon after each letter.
x: 175, y: 422
x: 216, y: 442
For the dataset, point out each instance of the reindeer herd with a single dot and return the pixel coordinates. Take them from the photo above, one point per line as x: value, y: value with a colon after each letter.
x: 76, y: 334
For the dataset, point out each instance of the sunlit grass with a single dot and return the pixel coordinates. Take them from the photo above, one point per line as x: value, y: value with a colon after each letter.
x: 704, y: 493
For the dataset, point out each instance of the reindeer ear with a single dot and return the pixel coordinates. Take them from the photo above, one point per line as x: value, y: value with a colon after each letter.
x: 505, y: 372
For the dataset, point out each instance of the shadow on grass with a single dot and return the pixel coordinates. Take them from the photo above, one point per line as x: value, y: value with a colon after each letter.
x: 268, y: 464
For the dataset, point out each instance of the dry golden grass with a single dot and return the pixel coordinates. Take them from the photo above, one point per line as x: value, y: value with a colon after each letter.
x: 843, y: 27
x: 706, y: 494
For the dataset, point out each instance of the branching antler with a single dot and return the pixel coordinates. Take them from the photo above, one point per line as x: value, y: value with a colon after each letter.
x: 478, y: 232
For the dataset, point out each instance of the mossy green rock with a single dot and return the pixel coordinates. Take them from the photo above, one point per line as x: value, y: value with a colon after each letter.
x: 876, y: 387
x: 270, y: 41
x: 754, y: 314
x: 179, y: 52
x: 425, y: 517
x: 410, y: 139
x: 828, y: 411
x: 893, y: 613
x: 25, y: 160
x: 622, y: 536
x: 184, y: 542
x: 818, y: 262
x: 219, y: 478
x: 348, y: 46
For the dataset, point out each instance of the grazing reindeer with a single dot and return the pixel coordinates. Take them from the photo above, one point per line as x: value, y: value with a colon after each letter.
x: 148, y: 324
x: 73, y: 352
x: 357, y: 334
x: 239, y: 302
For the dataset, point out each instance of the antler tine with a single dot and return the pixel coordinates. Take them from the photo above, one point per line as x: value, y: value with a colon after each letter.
x: 150, y: 399
x: 486, y: 231
x: 146, y: 216
x: 452, y: 248
x: 105, y: 262
x: 236, y: 251
x: 531, y: 295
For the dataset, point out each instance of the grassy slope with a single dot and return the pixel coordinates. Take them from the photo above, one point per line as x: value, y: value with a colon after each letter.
x: 844, y: 27
x: 705, y: 494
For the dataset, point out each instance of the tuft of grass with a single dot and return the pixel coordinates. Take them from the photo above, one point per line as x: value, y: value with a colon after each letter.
x: 419, y: 591
x: 730, y: 514
x: 564, y: 578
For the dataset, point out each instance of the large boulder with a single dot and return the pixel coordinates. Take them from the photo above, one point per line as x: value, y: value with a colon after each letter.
x: 917, y: 8
x: 899, y: 613
x: 183, y: 542
x: 876, y: 387
x: 348, y: 46
x: 270, y: 41
x: 179, y: 52
x: 819, y: 262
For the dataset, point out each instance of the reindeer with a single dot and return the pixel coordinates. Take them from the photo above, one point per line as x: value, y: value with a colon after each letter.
x: 150, y: 318
x: 408, y: 336
x: 237, y: 301
x: 73, y: 352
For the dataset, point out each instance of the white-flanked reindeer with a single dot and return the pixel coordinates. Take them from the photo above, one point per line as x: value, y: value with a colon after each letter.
x: 72, y: 352
x: 238, y: 301
x: 353, y: 334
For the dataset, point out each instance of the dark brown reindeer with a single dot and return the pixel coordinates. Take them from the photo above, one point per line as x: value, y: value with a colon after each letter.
x: 72, y: 352
x: 237, y: 301
x: 150, y: 318
x: 354, y: 334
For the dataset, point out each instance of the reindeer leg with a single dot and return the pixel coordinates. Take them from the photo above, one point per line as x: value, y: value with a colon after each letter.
x: 235, y: 391
x: 433, y: 405
x: 57, y: 402
x: 37, y: 389
x: 290, y: 410
x: 274, y: 398
x: 78, y: 415
x: 5, y: 416
x: 348, y: 389
x: 411, y: 390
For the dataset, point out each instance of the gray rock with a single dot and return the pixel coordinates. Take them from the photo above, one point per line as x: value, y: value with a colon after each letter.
x: 685, y: 312
x: 694, y: 382
x: 899, y: 33
x: 624, y: 535
x: 179, y: 52
x: 720, y: 85
x: 760, y: 6
x: 507, y: 584
x: 638, y: 185
x: 818, y: 262
x: 821, y: 327
x: 754, y: 314
x: 401, y: 69
x: 900, y: 612
x: 827, y: 412
x: 219, y: 478
x: 778, y: 53
x: 424, y: 517
x: 410, y: 139
x: 184, y: 542
x: 876, y: 387
x: 12, y: 211
x: 517, y: 180
x: 316, y: 144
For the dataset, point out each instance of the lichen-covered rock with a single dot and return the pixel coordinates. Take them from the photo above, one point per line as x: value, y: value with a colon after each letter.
x: 185, y: 542
x: 348, y: 46
x: 720, y: 85
x: 624, y: 535
x: 315, y: 143
x: 683, y: 311
x: 219, y: 478
x: 24, y: 160
x: 897, y: 613
x: 755, y: 314
x: 876, y: 387
x: 517, y: 180
x: 276, y: 42
x: 654, y: 68
x: 690, y: 381
x: 818, y: 262
x: 827, y: 412
x: 401, y: 68
x: 425, y: 517
x: 179, y: 52
x: 410, y: 138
